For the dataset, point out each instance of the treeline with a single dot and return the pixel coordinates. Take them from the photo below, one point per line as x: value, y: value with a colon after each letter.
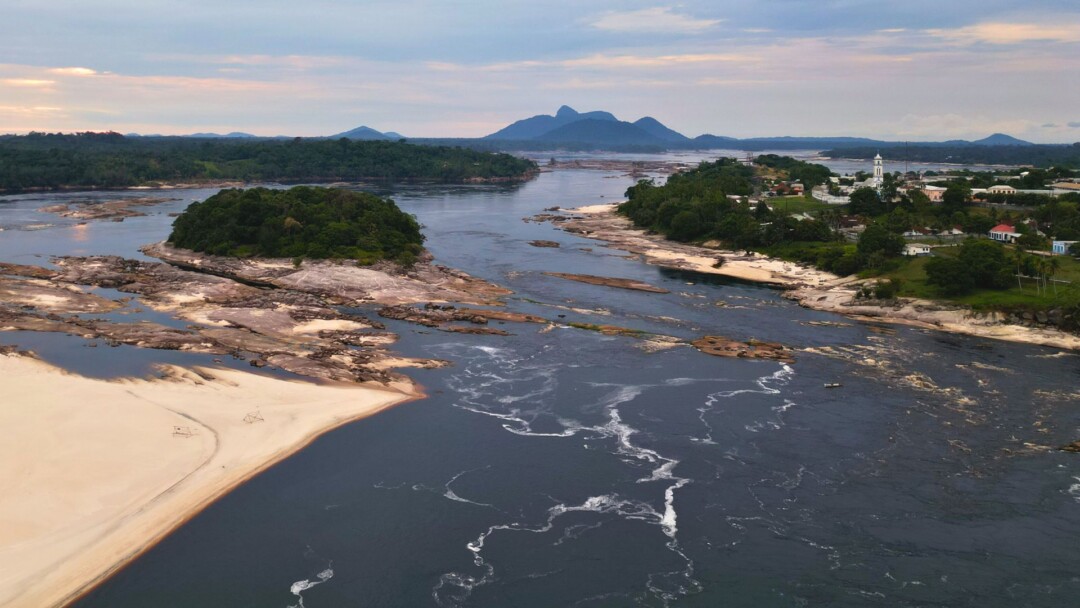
x: 110, y: 160
x: 1037, y: 155
x: 302, y: 222
x: 809, y: 174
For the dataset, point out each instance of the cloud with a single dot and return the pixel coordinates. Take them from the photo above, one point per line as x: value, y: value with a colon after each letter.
x: 659, y: 19
x: 73, y: 71
x: 1074, y: 125
x: 600, y: 61
x: 1010, y: 33
x: 27, y: 82
x: 642, y: 61
x: 1049, y: 125
x: 294, y: 62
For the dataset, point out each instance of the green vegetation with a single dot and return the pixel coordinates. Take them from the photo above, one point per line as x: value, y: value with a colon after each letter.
x: 302, y: 222
x: 110, y: 160
x: 979, y: 263
x: 809, y: 174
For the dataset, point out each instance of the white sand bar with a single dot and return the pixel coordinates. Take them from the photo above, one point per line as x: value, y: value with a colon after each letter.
x: 93, y: 474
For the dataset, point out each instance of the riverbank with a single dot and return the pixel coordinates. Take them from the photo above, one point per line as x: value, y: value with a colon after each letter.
x: 96, y: 472
x: 811, y: 288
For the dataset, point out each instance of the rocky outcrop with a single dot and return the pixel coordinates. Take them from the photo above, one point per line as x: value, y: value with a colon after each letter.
x: 751, y: 349
x: 115, y: 209
x: 342, y: 281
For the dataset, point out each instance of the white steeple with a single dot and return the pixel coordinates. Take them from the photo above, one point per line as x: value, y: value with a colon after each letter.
x: 879, y: 172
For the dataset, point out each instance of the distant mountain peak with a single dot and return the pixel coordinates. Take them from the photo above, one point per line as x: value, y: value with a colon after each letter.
x: 657, y: 129
x: 543, y: 124
x: 566, y: 112
x: 365, y: 133
x: 1001, y: 139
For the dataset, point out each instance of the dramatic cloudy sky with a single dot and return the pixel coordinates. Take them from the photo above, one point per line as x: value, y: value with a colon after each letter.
x: 917, y: 69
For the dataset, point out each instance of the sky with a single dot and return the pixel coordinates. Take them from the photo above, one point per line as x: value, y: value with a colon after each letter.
x: 916, y: 70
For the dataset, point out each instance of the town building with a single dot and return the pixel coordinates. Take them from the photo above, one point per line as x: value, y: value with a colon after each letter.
x: 936, y: 194
x: 1062, y: 247
x: 916, y: 249
x: 1065, y: 188
x: 1004, y: 233
x: 879, y: 172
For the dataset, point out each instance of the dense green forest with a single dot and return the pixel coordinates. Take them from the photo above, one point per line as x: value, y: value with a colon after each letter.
x: 1038, y: 155
x: 110, y: 160
x: 304, y: 221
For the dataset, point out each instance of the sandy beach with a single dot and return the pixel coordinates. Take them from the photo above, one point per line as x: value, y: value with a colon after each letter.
x: 95, y: 472
x: 812, y: 288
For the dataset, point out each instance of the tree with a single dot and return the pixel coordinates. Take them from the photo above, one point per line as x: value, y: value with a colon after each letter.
x: 1033, y: 242
x: 865, y: 201
x: 877, y: 238
x: 986, y: 262
x: 685, y: 226
x: 956, y: 195
x: 949, y: 275
x: 1053, y: 266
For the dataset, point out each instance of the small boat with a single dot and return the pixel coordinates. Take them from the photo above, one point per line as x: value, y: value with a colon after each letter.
x: 833, y: 385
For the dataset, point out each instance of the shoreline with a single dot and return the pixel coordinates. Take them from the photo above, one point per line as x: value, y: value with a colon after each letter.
x: 233, y: 183
x: 72, y: 433
x: 811, y: 288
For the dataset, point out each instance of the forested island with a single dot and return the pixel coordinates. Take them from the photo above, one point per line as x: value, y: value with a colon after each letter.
x: 870, y: 235
x: 302, y: 222
x: 111, y: 160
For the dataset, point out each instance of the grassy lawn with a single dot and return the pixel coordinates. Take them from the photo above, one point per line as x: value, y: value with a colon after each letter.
x: 912, y: 274
x: 797, y: 204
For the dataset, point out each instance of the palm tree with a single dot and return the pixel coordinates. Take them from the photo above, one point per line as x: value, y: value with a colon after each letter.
x: 1040, y: 272
x: 1054, y: 265
x: 1018, y: 256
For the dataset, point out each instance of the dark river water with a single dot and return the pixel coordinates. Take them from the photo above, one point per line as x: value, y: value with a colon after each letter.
x: 568, y: 468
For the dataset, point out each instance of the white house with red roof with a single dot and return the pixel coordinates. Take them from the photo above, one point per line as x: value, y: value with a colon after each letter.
x: 1004, y: 233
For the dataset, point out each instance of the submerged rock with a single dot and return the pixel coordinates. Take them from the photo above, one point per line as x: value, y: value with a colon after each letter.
x: 609, y: 282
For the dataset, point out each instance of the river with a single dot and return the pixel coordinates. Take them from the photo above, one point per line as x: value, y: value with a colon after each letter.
x: 570, y: 468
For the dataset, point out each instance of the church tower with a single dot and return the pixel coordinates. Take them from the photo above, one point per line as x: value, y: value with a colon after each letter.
x: 879, y: 172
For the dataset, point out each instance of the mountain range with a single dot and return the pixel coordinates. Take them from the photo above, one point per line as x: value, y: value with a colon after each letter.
x: 603, y: 129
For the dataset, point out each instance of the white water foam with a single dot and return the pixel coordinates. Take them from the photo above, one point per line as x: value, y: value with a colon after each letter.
x: 449, y: 493
x: 1074, y: 489
x: 299, y: 587
x: 766, y: 385
x: 487, y: 386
